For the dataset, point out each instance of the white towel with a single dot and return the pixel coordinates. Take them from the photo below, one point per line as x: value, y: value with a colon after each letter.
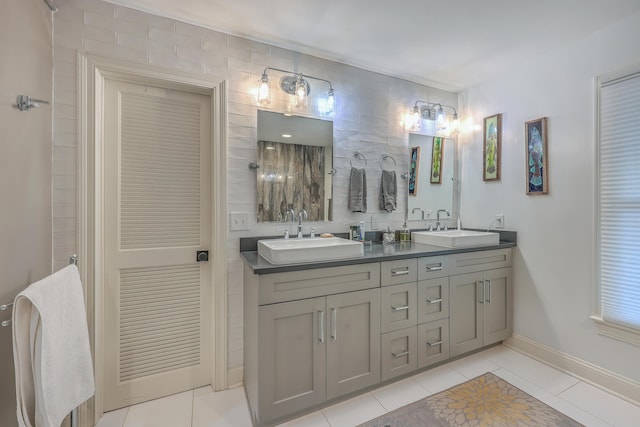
x: 52, y: 358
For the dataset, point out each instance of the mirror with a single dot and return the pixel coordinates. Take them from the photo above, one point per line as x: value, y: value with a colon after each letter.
x: 295, y: 155
x: 431, y: 180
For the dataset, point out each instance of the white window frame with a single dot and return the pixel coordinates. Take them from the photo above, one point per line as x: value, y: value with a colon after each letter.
x: 605, y: 327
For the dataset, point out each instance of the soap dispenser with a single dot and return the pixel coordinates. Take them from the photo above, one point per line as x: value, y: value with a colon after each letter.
x: 405, y: 235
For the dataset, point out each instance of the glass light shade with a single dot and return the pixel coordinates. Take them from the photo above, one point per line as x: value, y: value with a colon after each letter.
x: 264, y: 94
x: 455, y: 123
x: 330, y: 101
x: 441, y: 118
x: 301, y: 93
x: 415, y: 119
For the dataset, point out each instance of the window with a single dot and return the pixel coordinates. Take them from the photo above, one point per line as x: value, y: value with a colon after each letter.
x: 618, y: 206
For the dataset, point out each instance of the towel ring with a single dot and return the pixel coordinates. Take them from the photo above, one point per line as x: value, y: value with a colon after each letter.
x: 358, y: 156
x: 385, y: 157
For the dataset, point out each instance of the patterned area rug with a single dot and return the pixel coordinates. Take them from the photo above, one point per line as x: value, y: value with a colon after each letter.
x: 483, y: 401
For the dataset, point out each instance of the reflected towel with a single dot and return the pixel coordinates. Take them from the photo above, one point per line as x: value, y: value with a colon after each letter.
x: 53, y: 368
x: 388, y: 191
x: 358, y: 190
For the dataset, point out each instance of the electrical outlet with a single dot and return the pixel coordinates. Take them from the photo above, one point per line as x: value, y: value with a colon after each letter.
x: 499, y: 220
x: 239, y: 221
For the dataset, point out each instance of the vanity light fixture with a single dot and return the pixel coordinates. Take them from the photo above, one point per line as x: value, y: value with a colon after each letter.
x: 433, y: 111
x: 295, y: 84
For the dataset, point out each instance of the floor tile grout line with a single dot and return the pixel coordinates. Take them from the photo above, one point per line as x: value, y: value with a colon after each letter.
x: 569, y: 387
x: 580, y: 408
x: 193, y: 403
x: 126, y: 414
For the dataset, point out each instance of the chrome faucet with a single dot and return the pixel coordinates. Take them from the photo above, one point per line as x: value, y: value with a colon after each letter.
x: 301, y: 214
x: 438, y: 227
x: 290, y: 213
x: 418, y: 209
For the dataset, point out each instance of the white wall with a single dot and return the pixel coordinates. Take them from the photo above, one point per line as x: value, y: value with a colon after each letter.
x: 370, y: 107
x: 25, y: 167
x: 553, y: 266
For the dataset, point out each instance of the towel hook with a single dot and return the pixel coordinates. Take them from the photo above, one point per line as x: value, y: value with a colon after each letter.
x: 385, y: 157
x: 358, y: 156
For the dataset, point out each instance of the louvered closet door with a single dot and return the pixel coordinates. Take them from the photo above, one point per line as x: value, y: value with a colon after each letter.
x: 156, y: 310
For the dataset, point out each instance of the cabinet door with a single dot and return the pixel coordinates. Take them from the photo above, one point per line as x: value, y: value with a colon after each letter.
x: 498, y: 306
x: 433, y: 342
x: 398, y: 352
x: 466, y: 302
x: 399, y: 308
x: 353, y: 342
x: 292, y: 357
x: 433, y: 299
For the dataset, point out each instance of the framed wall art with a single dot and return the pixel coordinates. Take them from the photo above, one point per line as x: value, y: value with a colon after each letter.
x: 414, y: 163
x: 536, y: 162
x: 436, y: 160
x: 491, y: 148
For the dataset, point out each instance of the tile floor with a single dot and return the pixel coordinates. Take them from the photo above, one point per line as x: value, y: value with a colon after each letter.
x: 203, y: 408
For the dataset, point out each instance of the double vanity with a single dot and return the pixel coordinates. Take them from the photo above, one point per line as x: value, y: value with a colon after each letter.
x: 327, y: 318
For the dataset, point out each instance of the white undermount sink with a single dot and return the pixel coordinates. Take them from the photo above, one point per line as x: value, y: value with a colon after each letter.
x: 295, y: 251
x: 456, y: 238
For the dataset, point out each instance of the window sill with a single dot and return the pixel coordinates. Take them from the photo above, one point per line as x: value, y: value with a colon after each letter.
x: 619, y: 332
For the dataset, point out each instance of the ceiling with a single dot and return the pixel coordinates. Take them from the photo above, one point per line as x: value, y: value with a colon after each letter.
x: 451, y: 45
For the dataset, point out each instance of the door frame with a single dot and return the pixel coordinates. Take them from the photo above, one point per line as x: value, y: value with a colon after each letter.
x: 92, y: 72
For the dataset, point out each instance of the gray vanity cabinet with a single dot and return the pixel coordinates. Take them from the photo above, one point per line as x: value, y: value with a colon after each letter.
x: 312, y: 336
x: 480, y: 301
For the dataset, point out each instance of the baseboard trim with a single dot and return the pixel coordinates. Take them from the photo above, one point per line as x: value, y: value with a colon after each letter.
x: 595, y: 375
x: 234, y: 377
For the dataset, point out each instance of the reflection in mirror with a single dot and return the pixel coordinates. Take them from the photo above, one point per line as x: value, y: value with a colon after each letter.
x: 424, y: 190
x: 295, y: 155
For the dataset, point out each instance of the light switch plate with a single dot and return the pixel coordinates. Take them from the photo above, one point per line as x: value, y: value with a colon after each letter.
x: 239, y: 221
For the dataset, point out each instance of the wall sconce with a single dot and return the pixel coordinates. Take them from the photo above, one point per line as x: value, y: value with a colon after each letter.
x: 295, y: 84
x: 432, y: 111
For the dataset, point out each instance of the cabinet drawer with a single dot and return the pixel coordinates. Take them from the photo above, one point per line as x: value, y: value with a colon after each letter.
x: 399, y: 271
x: 279, y: 287
x: 471, y: 262
x: 433, y: 299
x: 433, y: 342
x: 398, y: 307
x: 433, y: 267
x: 398, y: 352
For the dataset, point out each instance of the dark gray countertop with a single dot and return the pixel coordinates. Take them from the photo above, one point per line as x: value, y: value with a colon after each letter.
x: 374, y: 252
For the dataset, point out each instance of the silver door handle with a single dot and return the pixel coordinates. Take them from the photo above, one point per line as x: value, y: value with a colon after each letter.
x: 481, y: 283
x: 434, y: 268
x: 400, y: 272
x: 321, y: 326
x: 334, y: 321
x: 433, y: 344
x: 404, y: 307
x: 487, y: 283
x: 434, y: 301
x: 396, y: 355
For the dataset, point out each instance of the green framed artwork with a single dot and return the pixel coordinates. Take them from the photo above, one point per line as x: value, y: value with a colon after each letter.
x: 414, y: 164
x: 536, y: 162
x: 436, y: 160
x: 491, y: 148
